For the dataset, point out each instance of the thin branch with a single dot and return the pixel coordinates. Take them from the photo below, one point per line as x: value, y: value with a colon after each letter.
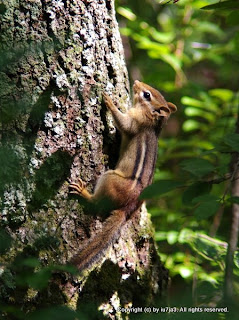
x: 232, y: 244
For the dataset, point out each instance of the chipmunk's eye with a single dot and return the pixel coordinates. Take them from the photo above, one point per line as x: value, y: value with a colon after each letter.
x: 147, y: 95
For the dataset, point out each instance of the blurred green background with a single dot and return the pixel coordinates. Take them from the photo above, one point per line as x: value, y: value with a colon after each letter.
x: 190, y: 54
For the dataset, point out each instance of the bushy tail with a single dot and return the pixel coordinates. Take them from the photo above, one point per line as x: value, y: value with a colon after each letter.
x: 97, y: 245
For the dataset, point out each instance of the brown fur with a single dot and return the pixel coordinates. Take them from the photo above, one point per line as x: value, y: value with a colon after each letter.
x: 98, y: 244
x: 139, y: 127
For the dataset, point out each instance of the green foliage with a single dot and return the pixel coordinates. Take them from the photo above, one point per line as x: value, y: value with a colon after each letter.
x: 208, y: 206
x: 194, y: 191
x: 28, y: 274
x: 232, y: 140
x: 5, y: 241
x: 228, y: 5
x: 159, y: 187
x: 60, y: 313
x: 198, y: 167
x: 189, y: 50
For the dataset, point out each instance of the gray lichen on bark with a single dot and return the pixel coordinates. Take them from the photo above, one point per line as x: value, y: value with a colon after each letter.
x: 56, y: 59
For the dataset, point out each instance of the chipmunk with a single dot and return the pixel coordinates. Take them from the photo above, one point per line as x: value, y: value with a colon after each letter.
x: 140, y: 127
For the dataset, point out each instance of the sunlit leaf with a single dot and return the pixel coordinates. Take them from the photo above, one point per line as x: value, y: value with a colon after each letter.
x: 236, y: 259
x: 210, y: 27
x: 125, y: 31
x: 156, y: 48
x: 172, y: 237
x: 127, y: 13
x: 164, y: 37
x: 210, y: 248
x: 185, y: 272
x: 186, y: 236
x: 190, y: 125
x: 160, y: 236
x: 223, y: 94
x: 172, y: 60
x: 197, y: 112
x: 192, y: 102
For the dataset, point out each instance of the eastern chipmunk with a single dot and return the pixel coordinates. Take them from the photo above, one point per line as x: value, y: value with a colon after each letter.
x: 140, y: 127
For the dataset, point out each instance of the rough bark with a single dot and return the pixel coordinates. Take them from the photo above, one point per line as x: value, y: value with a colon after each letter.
x: 56, y: 59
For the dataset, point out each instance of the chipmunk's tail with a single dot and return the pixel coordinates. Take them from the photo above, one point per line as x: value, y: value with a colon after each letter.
x: 98, y: 244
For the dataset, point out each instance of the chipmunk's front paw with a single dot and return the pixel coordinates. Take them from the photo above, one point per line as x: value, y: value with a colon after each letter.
x: 80, y: 189
x: 77, y: 188
x: 108, y: 101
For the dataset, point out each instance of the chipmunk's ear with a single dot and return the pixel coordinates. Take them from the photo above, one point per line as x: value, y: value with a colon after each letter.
x: 172, y: 107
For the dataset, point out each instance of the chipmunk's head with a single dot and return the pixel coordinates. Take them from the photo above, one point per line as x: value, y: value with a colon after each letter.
x: 150, y: 98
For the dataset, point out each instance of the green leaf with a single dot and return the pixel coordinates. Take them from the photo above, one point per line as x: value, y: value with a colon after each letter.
x: 39, y: 280
x: 236, y: 259
x: 160, y: 235
x: 164, y: 37
x: 186, y: 236
x: 185, y: 272
x: 198, y: 167
x: 10, y: 310
x: 232, y: 140
x: 234, y: 199
x: 172, y: 60
x: 230, y: 4
x: 172, y: 237
x: 194, y: 191
x: 210, y: 248
x: 222, y: 147
x: 160, y: 187
x: 192, y: 102
x: 223, y: 94
x: 59, y: 313
x: 127, y: 13
x: 206, y: 209
x: 205, y: 198
x: 190, y: 125
x: 211, y: 28
x: 125, y: 31
x: 233, y: 18
x: 157, y: 48
x: 5, y: 241
x: 30, y: 262
x: 198, y: 112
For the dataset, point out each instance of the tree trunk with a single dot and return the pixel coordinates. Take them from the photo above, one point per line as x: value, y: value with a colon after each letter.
x: 56, y: 59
